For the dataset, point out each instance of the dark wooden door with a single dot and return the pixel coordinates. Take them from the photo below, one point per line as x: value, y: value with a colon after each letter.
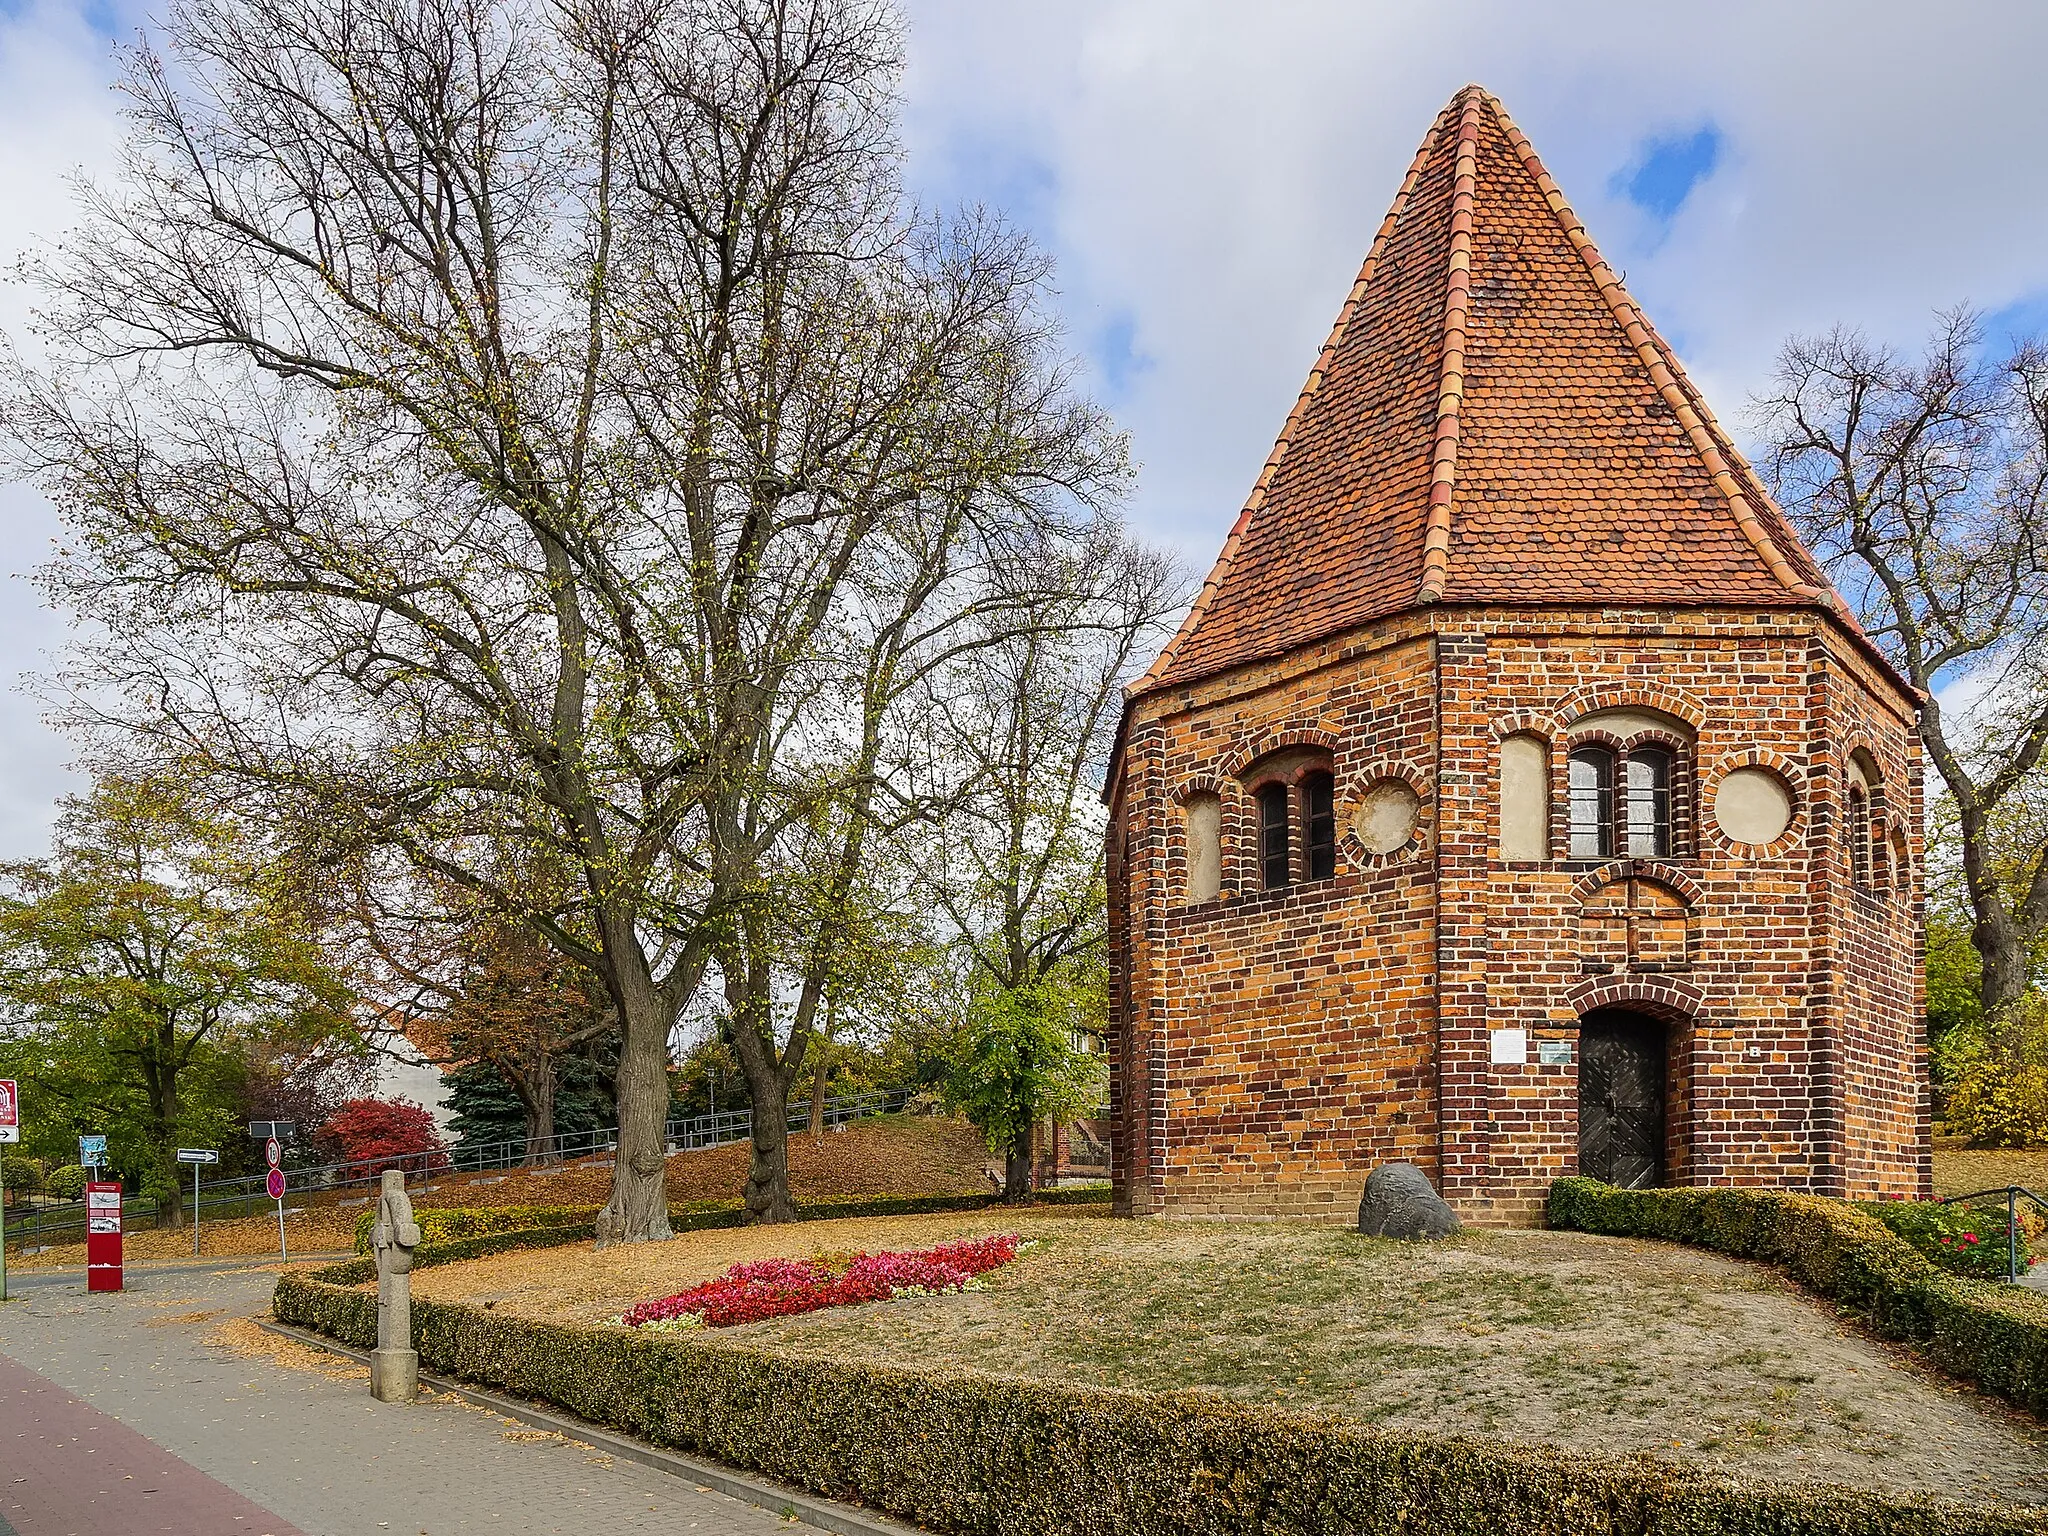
x: 1621, y: 1100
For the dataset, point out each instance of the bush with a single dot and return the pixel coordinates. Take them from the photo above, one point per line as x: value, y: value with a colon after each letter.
x: 20, y: 1176
x: 1998, y: 1078
x: 66, y: 1183
x: 990, y: 1456
x: 1995, y: 1335
x: 386, y: 1133
x: 1963, y: 1239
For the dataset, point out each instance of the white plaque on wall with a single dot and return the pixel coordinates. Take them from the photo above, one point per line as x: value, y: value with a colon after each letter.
x: 1510, y: 1047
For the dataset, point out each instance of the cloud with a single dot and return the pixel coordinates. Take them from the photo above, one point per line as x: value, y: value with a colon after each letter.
x: 1209, y: 174
x: 1214, y: 171
x: 60, y: 119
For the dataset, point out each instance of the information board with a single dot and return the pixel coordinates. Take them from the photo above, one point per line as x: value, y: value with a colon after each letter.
x: 103, y: 1237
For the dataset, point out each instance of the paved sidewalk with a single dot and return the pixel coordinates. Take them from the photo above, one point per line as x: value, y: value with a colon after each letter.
x: 311, y: 1449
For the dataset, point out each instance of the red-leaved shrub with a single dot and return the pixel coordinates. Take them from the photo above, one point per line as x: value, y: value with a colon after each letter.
x: 386, y: 1133
x: 765, y: 1288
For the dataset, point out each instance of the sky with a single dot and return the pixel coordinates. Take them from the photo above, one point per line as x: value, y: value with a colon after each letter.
x: 1208, y: 174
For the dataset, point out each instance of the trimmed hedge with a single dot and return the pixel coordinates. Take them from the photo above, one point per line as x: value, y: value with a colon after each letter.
x: 1995, y: 1335
x: 989, y: 1456
x: 445, y: 1224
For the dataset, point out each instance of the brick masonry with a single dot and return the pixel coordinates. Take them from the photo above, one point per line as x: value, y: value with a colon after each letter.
x: 1269, y: 1048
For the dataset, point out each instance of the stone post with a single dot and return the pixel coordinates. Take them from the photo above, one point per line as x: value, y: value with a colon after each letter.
x: 394, y: 1363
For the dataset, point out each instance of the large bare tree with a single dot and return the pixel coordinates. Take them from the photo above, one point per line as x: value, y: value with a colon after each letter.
x: 1923, y: 484
x: 480, y: 420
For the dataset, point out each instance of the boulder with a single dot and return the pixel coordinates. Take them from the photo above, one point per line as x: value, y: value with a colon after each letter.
x: 1401, y: 1202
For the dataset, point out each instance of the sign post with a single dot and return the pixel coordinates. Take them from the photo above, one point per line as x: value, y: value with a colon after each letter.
x: 273, y: 1153
x: 198, y: 1157
x: 103, y: 1237
x: 10, y: 1130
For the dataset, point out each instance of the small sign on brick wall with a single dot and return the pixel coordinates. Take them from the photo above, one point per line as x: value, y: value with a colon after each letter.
x: 1553, y: 1053
x: 1510, y: 1047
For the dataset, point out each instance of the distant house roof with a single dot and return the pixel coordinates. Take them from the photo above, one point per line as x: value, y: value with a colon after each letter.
x: 1492, y: 421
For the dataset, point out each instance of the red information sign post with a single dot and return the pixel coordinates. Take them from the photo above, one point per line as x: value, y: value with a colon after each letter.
x: 103, y: 1237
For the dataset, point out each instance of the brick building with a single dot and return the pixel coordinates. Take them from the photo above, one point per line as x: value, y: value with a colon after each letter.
x: 1517, y: 798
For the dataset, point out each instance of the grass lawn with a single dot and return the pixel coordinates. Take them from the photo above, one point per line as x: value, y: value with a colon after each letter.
x: 1961, y: 1171
x: 1592, y: 1342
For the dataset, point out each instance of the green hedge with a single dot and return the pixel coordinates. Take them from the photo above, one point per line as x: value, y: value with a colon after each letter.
x: 978, y: 1455
x: 445, y: 1223
x: 1995, y: 1335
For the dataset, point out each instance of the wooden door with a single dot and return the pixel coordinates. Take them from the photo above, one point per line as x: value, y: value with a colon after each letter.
x: 1621, y: 1100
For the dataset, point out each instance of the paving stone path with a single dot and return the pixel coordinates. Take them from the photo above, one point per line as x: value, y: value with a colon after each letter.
x: 119, y: 1418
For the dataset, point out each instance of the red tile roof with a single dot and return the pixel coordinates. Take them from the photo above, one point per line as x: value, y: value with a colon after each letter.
x: 1492, y: 421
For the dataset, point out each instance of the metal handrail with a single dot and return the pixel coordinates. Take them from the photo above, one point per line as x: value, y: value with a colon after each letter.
x: 246, y: 1195
x: 2012, y: 1193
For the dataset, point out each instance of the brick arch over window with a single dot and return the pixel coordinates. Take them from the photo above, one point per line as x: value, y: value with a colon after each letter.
x: 1593, y: 881
x: 1273, y: 741
x: 1594, y: 700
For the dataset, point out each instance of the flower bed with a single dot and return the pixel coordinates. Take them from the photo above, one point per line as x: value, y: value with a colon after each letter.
x: 747, y: 1293
x: 1964, y: 1239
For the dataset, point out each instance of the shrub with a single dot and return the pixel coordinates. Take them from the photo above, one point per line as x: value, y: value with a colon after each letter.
x: 979, y: 1455
x: 1998, y: 1072
x: 1995, y: 1335
x: 66, y: 1183
x: 1964, y: 1239
x: 386, y: 1133
x: 20, y: 1176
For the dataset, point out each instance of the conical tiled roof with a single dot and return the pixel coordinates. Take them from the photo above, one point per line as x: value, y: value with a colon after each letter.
x: 1491, y: 421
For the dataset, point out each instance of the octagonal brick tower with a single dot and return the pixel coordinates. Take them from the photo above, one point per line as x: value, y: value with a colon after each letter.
x: 1518, y: 798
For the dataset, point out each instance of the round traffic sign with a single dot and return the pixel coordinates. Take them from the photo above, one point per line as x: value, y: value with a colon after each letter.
x: 276, y: 1183
x: 273, y: 1152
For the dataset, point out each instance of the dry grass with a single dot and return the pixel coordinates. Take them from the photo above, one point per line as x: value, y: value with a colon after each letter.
x: 1960, y: 1171
x: 1552, y: 1337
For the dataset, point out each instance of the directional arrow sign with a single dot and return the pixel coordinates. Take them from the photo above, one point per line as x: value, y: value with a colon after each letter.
x: 198, y: 1155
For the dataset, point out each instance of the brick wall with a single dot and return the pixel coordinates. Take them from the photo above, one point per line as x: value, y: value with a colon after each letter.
x: 1271, y: 1047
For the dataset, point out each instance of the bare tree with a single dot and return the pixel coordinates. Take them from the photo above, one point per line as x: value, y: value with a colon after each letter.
x: 1015, y: 873
x: 1923, y: 485
x: 479, y: 420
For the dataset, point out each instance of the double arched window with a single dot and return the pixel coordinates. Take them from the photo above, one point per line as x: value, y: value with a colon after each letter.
x: 1620, y: 803
x: 1297, y: 827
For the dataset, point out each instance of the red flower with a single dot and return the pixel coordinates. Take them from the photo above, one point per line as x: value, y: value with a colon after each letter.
x: 748, y: 1293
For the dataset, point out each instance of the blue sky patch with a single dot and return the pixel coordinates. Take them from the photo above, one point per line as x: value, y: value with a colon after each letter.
x: 1664, y: 172
x: 1116, y: 355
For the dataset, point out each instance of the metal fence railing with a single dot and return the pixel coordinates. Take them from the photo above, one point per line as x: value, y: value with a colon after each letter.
x: 245, y: 1195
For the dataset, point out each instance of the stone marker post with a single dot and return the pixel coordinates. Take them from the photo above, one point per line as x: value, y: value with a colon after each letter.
x: 394, y: 1363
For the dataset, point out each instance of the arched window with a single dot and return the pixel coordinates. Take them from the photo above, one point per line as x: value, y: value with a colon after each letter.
x: 1591, y: 774
x: 1275, y: 860
x: 1649, y: 803
x: 1204, y: 813
x: 1859, y: 837
x: 1319, y: 823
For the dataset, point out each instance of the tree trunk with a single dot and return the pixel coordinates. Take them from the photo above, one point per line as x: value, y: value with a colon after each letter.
x: 539, y: 1104
x: 1017, y: 1166
x: 768, y: 1197
x: 638, y: 1209
x: 818, y: 1075
x: 164, y: 1111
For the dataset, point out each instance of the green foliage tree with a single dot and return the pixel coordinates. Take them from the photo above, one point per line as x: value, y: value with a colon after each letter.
x: 1020, y: 1059
x: 138, y: 962
x: 1998, y: 1077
